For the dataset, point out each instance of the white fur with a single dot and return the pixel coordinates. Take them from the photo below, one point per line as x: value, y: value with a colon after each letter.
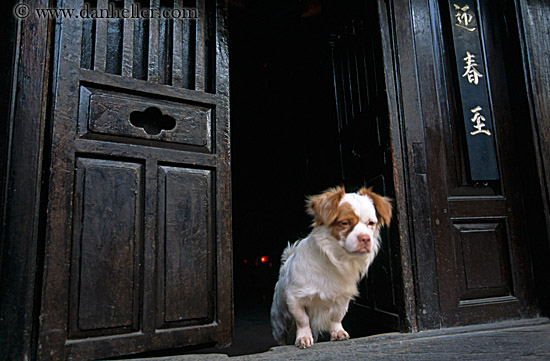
x: 319, y: 275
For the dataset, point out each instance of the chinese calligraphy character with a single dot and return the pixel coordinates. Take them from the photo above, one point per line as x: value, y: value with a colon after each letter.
x: 479, y: 122
x: 463, y: 17
x: 471, y: 71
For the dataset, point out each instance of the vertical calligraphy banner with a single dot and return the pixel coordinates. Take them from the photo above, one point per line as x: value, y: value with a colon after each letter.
x: 474, y: 90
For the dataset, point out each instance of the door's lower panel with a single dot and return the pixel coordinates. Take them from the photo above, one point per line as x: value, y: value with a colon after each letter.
x: 108, y: 215
x: 186, y: 240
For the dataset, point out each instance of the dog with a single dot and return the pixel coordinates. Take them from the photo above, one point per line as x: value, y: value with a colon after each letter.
x: 319, y: 274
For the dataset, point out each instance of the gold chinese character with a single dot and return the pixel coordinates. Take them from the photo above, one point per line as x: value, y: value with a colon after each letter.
x: 463, y: 17
x: 471, y: 71
x: 479, y: 122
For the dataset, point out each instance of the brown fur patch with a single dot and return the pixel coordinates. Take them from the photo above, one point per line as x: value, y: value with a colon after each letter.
x: 324, y: 207
x: 345, y: 213
x: 381, y: 204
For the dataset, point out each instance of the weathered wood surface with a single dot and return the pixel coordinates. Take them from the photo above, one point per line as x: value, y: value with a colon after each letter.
x: 458, y: 222
x: 23, y: 126
x: 140, y: 172
x: 536, y: 21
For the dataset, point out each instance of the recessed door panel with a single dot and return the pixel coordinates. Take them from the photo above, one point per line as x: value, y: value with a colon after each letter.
x: 186, y: 237
x: 482, y: 258
x: 105, y: 296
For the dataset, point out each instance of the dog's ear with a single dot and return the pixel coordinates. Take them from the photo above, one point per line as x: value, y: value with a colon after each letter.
x: 324, y: 207
x: 381, y: 204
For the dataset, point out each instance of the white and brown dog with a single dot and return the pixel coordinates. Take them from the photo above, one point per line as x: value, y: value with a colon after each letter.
x: 319, y: 274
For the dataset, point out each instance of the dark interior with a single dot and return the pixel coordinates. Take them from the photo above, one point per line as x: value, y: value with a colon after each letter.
x: 282, y: 115
x: 283, y: 132
x: 289, y: 140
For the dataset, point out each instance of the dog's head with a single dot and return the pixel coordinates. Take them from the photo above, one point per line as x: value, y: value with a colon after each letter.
x: 353, y: 219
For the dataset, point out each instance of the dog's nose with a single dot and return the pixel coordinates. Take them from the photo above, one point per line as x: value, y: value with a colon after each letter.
x: 364, y: 240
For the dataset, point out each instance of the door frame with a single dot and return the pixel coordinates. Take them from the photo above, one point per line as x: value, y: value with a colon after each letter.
x: 532, y: 24
x: 407, y: 115
x: 386, y: 13
x: 26, y: 161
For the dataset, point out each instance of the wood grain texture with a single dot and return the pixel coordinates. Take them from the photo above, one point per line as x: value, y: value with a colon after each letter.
x: 23, y: 141
x: 105, y: 294
x: 535, y: 23
x: 140, y: 171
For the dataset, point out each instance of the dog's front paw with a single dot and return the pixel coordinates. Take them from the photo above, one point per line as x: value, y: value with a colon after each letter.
x: 304, y: 338
x: 304, y: 342
x: 339, y: 335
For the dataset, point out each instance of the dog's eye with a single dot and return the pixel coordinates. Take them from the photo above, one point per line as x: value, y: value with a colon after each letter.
x: 344, y: 223
x: 371, y: 224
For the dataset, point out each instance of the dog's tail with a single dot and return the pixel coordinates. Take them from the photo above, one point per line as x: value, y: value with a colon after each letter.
x: 282, y: 323
x: 288, y: 251
x: 280, y: 318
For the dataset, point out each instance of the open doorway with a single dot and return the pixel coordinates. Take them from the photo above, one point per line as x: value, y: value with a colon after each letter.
x: 308, y: 112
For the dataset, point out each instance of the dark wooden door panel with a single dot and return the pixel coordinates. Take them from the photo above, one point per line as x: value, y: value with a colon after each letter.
x: 138, y: 250
x: 482, y: 257
x: 108, y: 214
x: 117, y: 116
x: 482, y: 260
x: 186, y: 235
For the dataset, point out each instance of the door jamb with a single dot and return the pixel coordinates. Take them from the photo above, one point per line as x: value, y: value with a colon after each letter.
x: 390, y: 45
x: 22, y: 235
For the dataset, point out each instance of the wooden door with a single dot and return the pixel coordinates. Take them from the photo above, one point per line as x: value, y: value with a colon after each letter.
x: 138, y: 240
x: 366, y: 157
x: 481, y: 242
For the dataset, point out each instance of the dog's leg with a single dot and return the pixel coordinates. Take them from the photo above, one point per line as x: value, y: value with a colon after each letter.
x: 304, y: 337
x: 337, y: 332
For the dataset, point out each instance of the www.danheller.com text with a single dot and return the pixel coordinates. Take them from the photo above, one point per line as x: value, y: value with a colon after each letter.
x: 133, y: 11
